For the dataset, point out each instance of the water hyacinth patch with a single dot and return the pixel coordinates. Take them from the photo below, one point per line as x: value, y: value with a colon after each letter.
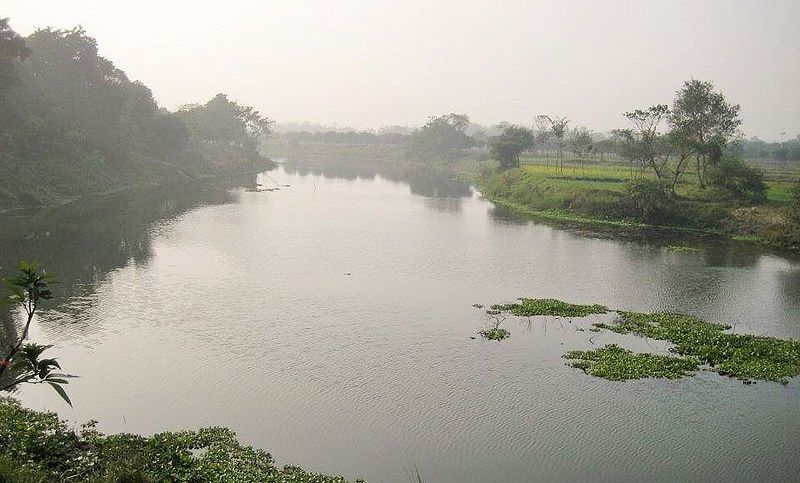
x: 742, y: 356
x: 494, y: 333
x: 617, y: 364
x: 531, y: 307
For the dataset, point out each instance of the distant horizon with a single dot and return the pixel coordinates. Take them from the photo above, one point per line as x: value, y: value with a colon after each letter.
x: 375, y: 64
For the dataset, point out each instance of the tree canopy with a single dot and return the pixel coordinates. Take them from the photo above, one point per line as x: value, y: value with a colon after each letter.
x: 69, y: 113
x: 702, y: 123
x: 507, y: 147
x: 442, y: 137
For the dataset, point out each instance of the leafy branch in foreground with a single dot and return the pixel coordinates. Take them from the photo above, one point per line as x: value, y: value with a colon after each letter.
x: 23, y: 362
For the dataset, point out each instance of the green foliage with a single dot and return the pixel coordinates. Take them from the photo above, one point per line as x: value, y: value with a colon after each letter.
x: 72, y: 123
x: 23, y: 361
x: 552, y: 307
x: 507, y: 146
x: 703, y: 122
x: 41, y: 447
x: 739, y: 178
x: 494, y: 333
x: 222, y: 122
x: 442, y: 138
x: 755, y: 148
x: 794, y: 206
x: 617, y: 364
x: 742, y: 356
x: 649, y: 201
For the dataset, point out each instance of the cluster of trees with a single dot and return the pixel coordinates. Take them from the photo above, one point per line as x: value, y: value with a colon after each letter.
x: 697, y: 132
x: 757, y: 149
x: 443, y: 138
x: 62, y: 102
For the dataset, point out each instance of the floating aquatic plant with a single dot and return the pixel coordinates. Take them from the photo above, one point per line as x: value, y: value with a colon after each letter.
x: 530, y: 307
x: 618, y: 364
x: 494, y: 333
x: 743, y: 356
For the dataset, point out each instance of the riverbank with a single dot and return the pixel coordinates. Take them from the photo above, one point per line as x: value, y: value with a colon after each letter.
x: 599, y: 195
x: 53, y: 183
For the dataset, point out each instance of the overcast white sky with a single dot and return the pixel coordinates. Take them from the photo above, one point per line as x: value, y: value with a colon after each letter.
x: 378, y: 62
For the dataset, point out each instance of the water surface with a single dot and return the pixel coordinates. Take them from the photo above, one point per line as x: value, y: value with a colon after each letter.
x: 331, y: 323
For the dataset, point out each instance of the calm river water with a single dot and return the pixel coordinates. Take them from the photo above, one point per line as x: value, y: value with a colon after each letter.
x: 331, y: 323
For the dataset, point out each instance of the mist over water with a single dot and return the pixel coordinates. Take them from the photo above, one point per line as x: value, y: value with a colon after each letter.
x: 331, y: 322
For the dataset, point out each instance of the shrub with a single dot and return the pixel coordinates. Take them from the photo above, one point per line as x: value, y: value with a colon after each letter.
x: 38, y: 446
x: 742, y: 180
x: 649, y: 201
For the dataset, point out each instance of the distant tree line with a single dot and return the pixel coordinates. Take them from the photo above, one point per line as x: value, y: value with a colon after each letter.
x: 63, y: 107
x: 755, y: 148
x: 352, y: 138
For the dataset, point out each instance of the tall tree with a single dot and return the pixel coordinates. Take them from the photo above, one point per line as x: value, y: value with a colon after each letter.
x: 703, y: 122
x: 442, y: 137
x: 558, y: 126
x: 649, y: 148
x: 507, y: 147
x: 542, y: 134
x: 12, y: 52
x: 582, y: 143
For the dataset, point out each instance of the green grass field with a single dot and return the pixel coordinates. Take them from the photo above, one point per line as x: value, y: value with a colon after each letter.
x: 613, y: 176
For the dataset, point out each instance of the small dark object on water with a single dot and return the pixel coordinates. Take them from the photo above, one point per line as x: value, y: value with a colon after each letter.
x: 348, y: 273
x: 473, y: 338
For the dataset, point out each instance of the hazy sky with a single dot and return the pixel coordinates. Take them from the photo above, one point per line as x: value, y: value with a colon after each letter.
x: 372, y: 63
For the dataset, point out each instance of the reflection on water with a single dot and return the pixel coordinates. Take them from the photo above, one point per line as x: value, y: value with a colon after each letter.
x: 331, y: 323
x: 83, y: 241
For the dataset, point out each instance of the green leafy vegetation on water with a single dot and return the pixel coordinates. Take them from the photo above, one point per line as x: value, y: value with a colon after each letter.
x: 530, y: 307
x: 617, y: 364
x: 39, y: 447
x: 494, y: 333
x: 742, y: 356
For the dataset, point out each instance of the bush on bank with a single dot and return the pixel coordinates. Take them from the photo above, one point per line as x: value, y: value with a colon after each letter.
x: 40, y: 447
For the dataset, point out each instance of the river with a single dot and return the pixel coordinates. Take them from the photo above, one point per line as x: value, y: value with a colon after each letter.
x: 330, y: 322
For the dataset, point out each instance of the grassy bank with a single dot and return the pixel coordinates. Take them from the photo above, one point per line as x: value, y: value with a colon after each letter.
x: 39, y: 447
x: 599, y: 195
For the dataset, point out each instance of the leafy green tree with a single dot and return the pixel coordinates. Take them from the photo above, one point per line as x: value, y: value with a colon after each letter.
x: 12, y: 51
x: 542, y: 134
x: 23, y: 362
x: 507, y: 147
x: 224, y: 123
x: 559, y: 128
x: 442, y: 137
x: 648, y: 147
x: 581, y: 143
x: 702, y: 123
